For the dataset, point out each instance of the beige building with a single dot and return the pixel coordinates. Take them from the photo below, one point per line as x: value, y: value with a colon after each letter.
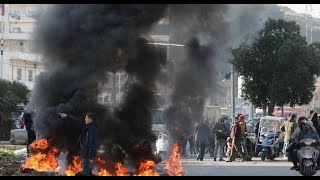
x: 19, y: 62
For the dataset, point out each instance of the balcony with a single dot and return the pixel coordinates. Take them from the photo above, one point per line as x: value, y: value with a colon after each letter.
x: 18, y: 36
x: 24, y: 56
x: 20, y: 30
x: 24, y: 17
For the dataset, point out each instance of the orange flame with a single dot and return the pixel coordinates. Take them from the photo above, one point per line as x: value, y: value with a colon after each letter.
x: 147, y: 168
x: 74, y: 167
x: 121, y: 171
x: 44, y: 158
x: 101, y: 170
x: 173, y: 164
x: 104, y: 172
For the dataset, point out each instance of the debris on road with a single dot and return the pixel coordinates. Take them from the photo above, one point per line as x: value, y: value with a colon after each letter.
x: 21, y: 154
x: 9, y: 162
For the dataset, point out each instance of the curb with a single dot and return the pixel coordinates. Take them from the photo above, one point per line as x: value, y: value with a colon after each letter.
x: 13, y: 147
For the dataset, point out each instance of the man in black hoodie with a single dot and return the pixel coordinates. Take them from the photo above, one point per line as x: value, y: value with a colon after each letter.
x: 29, y: 127
x: 87, y: 140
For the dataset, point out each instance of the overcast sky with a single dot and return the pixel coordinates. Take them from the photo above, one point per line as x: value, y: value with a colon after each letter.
x: 301, y: 8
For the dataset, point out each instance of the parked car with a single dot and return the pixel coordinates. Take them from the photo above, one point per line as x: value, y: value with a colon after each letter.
x: 18, y: 136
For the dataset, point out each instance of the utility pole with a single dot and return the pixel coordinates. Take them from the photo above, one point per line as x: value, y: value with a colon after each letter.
x: 232, y: 92
x: 114, y: 88
x: 2, y: 41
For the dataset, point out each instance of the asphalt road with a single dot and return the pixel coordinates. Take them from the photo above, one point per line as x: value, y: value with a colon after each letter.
x: 208, y: 167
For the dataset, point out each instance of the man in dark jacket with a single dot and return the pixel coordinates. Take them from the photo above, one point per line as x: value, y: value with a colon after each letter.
x: 201, y: 136
x: 314, y: 118
x: 30, y: 132
x: 87, y: 140
x: 220, y: 131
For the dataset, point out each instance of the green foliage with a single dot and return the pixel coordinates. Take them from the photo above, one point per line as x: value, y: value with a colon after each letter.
x: 11, y: 94
x: 279, y: 67
x: 6, y: 154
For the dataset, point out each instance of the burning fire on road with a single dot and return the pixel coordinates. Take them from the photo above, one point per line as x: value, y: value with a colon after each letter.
x: 44, y: 158
x: 173, y: 164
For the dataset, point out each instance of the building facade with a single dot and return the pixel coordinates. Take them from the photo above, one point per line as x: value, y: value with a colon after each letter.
x: 19, y: 62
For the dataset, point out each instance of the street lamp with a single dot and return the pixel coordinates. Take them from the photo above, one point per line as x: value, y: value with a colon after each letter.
x: 167, y: 44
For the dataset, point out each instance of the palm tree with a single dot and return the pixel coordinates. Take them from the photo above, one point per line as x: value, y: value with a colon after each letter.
x: 11, y: 94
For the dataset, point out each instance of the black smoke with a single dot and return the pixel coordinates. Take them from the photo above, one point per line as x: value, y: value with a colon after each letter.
x: 135, y: 114
x: 80, y: 44
x: 202, y: 29
x: 208, y: 31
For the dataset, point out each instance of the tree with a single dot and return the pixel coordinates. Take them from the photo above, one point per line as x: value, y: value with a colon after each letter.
x: 279, y: 67
x: 11, y: 94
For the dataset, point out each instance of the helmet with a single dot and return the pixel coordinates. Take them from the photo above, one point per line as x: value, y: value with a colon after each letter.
x: 309, y: 123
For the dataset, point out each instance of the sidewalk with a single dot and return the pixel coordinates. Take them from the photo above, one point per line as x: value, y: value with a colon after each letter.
x: 12, y: 147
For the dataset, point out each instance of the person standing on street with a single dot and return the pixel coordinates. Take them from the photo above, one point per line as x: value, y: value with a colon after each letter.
x: 29, y: 127
x: 243, y: 126
x: 201, y: 137
x: 220, y: 131
x: 288, y: 127
x: 315, y: 120
x: 87, y: 140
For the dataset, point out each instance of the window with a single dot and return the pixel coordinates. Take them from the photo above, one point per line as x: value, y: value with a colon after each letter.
x: 30, y: 75
x: 19, y: 74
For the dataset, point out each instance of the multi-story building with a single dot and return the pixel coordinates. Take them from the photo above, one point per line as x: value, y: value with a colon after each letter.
x: 19, y: 61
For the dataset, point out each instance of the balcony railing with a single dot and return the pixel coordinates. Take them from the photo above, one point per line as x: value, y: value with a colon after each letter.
x: 20, y: 15
x: 20, y: 30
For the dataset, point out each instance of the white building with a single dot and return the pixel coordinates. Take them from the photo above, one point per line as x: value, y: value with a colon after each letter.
x: 19, y: 62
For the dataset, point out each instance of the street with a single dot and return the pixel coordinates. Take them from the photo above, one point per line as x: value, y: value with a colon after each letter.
x: 208, y: 167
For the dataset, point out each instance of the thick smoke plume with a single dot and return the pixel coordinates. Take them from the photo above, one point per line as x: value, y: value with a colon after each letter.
x: 80, y: 44
x: 203, y: 32
x: 208, y: 31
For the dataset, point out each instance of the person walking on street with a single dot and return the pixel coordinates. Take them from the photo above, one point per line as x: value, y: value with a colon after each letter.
x: 201, y: 137
x: 235, y: 135
x: 87, y: 140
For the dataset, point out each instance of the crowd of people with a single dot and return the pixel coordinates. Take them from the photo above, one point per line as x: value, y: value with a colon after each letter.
x: 220, y: 139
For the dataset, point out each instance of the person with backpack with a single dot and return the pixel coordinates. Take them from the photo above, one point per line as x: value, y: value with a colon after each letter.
x: 235, y: 135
